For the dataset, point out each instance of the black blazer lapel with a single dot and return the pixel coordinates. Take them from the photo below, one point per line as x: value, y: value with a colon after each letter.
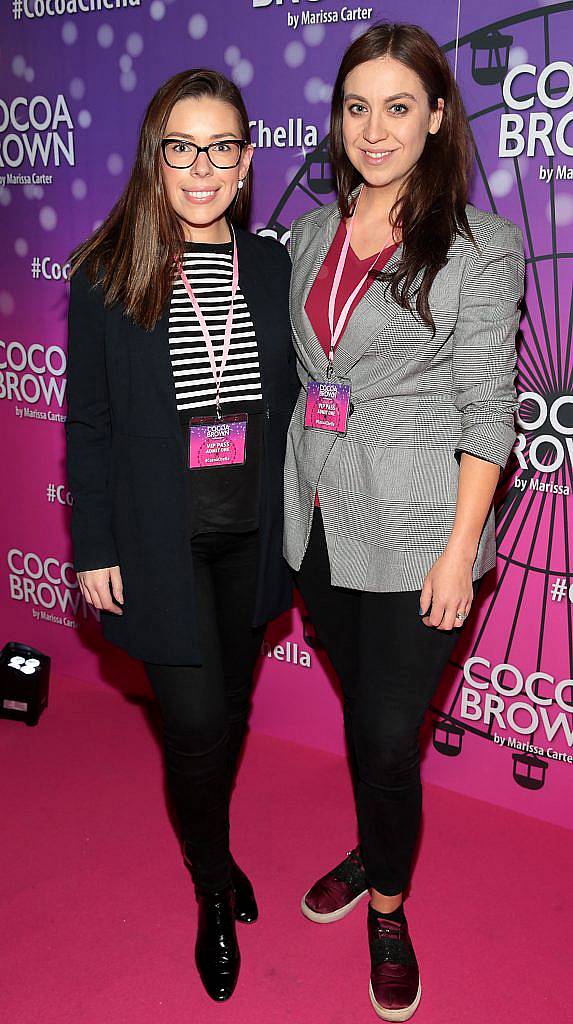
x: 152, y: 401
x: 258, y: 294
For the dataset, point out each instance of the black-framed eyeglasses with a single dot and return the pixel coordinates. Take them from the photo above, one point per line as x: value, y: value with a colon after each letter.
x: 223, y: 154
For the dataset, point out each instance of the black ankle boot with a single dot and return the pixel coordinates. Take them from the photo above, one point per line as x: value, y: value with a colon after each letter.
x: 217, y: 952
x: 246, y: 909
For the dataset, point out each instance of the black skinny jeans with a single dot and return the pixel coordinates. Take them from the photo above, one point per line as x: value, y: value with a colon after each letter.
x: 389, y: 665
x: 205, y: 708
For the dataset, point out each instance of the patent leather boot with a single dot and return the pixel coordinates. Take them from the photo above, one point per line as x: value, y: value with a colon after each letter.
x: 246, y: 909
x: 217, y: 952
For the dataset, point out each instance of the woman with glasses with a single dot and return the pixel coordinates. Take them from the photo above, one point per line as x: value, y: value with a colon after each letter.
x: 181, y: 385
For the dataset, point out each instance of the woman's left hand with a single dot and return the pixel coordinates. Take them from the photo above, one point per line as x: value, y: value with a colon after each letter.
x: 448, y: 590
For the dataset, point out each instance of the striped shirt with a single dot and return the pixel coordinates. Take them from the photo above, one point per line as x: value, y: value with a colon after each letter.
x: 209, y: 269
x: 225, y: 499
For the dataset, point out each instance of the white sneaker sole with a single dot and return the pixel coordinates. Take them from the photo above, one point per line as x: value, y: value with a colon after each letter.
x: 404, y: 1014
x: 335, y: 915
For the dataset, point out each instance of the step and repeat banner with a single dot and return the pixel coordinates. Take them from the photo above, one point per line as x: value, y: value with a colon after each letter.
x: 76, y: 76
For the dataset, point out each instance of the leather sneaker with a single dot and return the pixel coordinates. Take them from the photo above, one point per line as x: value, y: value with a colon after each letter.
x: 338, y: 892
x: 395, y: 988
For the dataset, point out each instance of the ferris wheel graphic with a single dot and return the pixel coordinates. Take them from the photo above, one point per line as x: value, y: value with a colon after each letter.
x: 529, y: 615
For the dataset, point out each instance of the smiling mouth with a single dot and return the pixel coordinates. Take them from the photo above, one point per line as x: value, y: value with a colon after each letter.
x: 200, y: 195
x: 377, y: 154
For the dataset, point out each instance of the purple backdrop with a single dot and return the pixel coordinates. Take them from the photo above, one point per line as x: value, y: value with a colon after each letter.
x: 76, y: 76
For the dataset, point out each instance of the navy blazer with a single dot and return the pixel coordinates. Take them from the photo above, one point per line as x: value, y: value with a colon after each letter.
x: 127, y: 462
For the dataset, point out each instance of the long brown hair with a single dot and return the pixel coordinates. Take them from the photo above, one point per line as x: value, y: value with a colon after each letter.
x: 132, y: 253
x: 431, y: 208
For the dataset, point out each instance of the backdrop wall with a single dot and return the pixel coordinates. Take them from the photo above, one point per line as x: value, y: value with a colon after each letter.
x: 76, y: 76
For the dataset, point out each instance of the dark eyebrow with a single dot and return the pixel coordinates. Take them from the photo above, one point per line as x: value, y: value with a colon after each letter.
x: 397, y: 96
x: 221, y: 135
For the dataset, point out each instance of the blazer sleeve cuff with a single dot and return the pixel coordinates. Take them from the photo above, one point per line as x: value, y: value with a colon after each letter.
x: 491, y: 441
x: 93, y: 542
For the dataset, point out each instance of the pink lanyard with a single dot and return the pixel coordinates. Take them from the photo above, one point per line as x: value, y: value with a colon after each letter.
x: 337, y: 329
x: 217, y: 373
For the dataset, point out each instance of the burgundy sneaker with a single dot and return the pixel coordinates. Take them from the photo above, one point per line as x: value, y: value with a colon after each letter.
x: 395, y: 988
x: 338, y: 892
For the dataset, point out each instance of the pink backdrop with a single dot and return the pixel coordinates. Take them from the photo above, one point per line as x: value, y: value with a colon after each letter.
x: 74, y: 86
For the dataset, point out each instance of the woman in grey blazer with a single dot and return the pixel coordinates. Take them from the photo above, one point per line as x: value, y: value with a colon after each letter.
x: 404, y: 306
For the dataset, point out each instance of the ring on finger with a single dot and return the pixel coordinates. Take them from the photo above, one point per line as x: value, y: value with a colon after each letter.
x: 462, y: 616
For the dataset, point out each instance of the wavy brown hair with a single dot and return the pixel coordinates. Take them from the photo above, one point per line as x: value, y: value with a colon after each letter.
x: 132, y: 253
x: 431, y: 207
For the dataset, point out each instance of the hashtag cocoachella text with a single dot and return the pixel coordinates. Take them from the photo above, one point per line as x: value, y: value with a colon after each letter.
x: 55, y: 8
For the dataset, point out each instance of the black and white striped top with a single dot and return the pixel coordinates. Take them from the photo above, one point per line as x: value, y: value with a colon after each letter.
x: 209, y: 269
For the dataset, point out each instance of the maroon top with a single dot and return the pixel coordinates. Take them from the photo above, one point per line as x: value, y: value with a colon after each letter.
x: 316, y: 305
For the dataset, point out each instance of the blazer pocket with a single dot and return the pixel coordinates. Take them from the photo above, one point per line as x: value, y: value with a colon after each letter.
x: 392, y: 472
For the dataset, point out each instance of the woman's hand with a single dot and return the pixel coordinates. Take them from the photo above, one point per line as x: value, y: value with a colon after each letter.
x: 101, y: 587
x: 448, y: 585
x: 448, y: 589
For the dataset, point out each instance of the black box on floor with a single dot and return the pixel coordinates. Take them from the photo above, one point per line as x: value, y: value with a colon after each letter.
x: 24, y: 683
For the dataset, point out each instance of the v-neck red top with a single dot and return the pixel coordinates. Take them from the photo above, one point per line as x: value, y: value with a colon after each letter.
x: 316, y: 305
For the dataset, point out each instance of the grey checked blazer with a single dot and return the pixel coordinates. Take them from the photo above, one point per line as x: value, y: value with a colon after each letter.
x: 388, y: 488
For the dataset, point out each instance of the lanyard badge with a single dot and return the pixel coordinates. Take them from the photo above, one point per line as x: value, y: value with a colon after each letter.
x: 327, y: 404
x: 328, y: 401
x: 217, y: 440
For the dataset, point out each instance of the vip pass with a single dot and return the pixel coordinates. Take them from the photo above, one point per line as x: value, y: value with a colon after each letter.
x: 327, y: 406
x: 217, y: 443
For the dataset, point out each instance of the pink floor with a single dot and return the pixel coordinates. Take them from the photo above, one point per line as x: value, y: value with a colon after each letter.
x: 98, y: 916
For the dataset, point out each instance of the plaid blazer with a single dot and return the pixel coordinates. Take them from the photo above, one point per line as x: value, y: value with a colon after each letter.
x: 388, y: 488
